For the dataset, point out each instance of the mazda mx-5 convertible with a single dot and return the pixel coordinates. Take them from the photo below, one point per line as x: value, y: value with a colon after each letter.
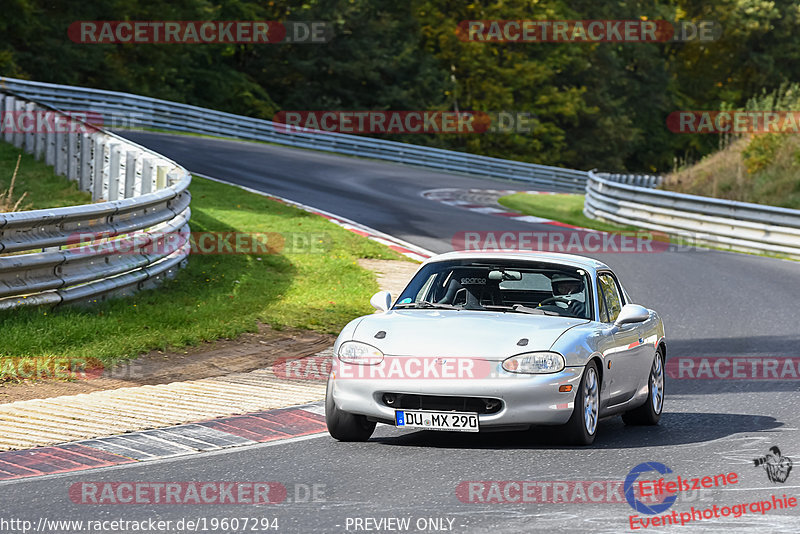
x: 483, y: 341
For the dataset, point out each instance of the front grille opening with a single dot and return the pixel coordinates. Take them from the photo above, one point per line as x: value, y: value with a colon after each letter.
x: 441, y: 403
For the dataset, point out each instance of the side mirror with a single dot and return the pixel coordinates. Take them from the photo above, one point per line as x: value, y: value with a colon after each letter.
x: 381, y: 301
x: 632, y: 313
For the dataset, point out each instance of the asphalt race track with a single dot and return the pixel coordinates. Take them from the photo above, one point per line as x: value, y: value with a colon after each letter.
x: 714, y: 304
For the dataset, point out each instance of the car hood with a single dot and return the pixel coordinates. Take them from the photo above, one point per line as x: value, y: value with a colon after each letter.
x: 475, y: 334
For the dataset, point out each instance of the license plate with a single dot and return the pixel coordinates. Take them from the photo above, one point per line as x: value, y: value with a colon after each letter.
x: 456, y: 421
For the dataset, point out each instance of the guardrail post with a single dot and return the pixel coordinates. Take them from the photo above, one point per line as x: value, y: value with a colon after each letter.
x: 161, y: 177
x: 85, y: 178
x: 147, y: 176
x: 174, y: 176
x: 19, y: 108
x: 8, y: 107
x: 39, y: 141
x: 61, y: 154
x: 130, y: 172
x: 114, y: 171
x: 50, y: 148
x: 73, y: 156
x: 99, y: 163
x: 29, y: 141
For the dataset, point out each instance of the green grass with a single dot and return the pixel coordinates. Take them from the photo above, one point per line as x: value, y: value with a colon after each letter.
x: 44, y: 189
x: 216, y: 296
x: 566, y: 208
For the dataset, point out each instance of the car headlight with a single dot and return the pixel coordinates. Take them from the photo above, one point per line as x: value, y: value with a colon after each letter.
x: 359, y: 353
x: 535, y: 363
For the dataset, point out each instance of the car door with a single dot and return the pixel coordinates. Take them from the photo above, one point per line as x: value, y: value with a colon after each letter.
x: 646, y: 349
x: 622, y: 354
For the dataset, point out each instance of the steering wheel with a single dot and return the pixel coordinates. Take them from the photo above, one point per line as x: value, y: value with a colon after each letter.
x: 554, y: 299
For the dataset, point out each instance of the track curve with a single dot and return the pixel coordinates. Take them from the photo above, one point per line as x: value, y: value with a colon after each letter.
x: 713, y: 304
x: 713, y: 299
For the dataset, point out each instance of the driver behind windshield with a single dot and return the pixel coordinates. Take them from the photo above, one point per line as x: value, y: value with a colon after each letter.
x: 569, y: 293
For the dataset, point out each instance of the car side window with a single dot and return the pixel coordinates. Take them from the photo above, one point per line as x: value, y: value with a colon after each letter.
x: 601, y: 302
x: 611, y: 296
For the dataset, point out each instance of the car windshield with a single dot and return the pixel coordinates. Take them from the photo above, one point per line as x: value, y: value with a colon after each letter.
x: 514, y: 287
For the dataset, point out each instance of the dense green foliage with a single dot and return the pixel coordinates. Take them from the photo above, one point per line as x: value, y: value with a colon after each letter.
x: 594, y: 105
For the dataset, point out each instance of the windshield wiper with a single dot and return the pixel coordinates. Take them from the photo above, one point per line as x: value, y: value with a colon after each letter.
x: 520, y: 308
x: 424, y: 304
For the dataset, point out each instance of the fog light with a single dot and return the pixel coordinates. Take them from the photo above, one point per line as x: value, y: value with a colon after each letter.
x: 388, y: 399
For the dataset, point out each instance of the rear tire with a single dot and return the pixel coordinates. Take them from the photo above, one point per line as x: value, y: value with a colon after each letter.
x: 649, y: 413
x: 582, y: 426
x: 345, y: 426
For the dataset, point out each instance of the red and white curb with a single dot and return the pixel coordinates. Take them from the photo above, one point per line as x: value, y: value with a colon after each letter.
x: 206, y: 436
x: 484, y: 201
x: 398, y: 245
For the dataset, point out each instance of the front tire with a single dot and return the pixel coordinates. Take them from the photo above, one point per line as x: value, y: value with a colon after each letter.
x: 345, y: 426
x: 582, y: 426
x: 649, y: 413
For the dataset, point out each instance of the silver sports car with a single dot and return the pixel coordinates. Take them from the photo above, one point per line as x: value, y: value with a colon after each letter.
x: 483, y: 341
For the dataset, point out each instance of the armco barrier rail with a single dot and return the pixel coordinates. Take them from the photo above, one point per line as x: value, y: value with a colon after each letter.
x: 626, y: 199
x: 641, y: 180
x: 132, y: 110
x: 109, y: 248
x: 711, y: 221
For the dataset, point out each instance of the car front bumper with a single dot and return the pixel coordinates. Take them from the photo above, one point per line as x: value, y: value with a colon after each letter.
x: 526, y: 399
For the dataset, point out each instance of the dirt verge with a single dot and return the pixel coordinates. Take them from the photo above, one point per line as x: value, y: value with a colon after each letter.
x: 247, y: 352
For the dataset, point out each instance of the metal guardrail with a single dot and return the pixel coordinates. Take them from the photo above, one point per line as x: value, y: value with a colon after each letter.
x: 113, y: 247
x: 641, y: 180
x: 126, y: 109
x: 711, y: 221
x: 621, y: 198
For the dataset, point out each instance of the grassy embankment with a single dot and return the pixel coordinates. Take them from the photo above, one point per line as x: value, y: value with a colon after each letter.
x: 753, y: 167
x: 216, y: 296
x: 763, y: 168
